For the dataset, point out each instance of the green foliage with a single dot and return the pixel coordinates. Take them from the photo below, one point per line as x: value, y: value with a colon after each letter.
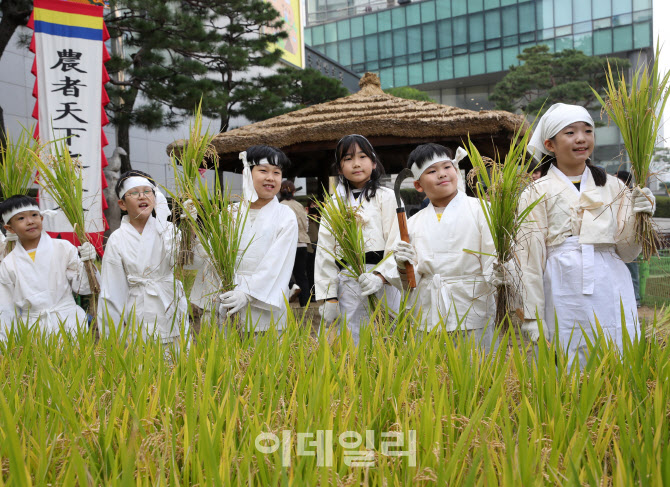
x: 17, y: 164
x: 545, y: 78
x: 409, y: 93
x: 123, y: 411
x: 662, y: 207
x: 289, y: 90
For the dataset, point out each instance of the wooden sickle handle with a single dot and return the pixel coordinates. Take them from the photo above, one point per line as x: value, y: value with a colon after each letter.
x: 404, y: 236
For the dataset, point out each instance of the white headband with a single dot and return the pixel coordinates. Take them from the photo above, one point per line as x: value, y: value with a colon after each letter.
x: 248, y: 192
x: 6, y: 216
x: 418, y: 171
x: 134, y: 182
x: 552, y: 122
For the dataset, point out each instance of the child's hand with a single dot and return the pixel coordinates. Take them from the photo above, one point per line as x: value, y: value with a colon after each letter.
x: 329, y: 311
x: 233, y: 301
x: 532, y: 330
x: 403, y: 252
x: 191, y: 209
x: 86, y: 251
x: 370, y: 283
x: 643, y: 201
x: 12, y: 237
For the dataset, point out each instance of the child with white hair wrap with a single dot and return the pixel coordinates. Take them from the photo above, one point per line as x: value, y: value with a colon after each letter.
x: 138, y: 284
x: 577, y: 239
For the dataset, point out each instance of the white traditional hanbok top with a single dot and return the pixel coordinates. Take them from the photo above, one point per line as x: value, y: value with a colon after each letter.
x: 452, y: 283
x: 269, y: 241
x: 599, y: 216
x: 379, y: 221
x: 3, y: 245
x: 42, y: 289
x: 138, y: 283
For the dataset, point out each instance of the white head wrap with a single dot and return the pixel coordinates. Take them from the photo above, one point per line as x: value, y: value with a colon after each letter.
x: 134, y: 182
x: 552, y: 122
x: 6, y: 216
x: 460, y: 155
x: 248, y: 192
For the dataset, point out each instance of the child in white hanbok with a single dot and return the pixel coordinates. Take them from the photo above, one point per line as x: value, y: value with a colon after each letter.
x: 38, y: 277
x: 455, y: 288
x: 139, y: 288
x: 267, y: 245
x: 359, y: 170
x: 577, y: 239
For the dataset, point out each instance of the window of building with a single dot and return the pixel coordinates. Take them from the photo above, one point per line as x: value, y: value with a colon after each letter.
x: 343, y: 30
x: 413, y: 14
x: 602, y: 41
x: 621, y: 7
x: 370, y: 24
x: 344, y: 53
x: 415, y: 74
x: 461, y: 66
x: 476, y: 27
x: 444, y: 33
x: 399, y: 42
x: 526, y: 17
x: 562, y: 13
x: 446, y: 68
x: 642, y: 35
x: 493, y: 60
x: 475, y: 5
x: 581, y: 10
x: 623, y: 38
x: 429, y: 37
x: 384, y: 20
x: 510, y: 21
x: 427, y: 12
x: 357, y: 26
x: 330, y: 32
x: 430, y: 71
x: 398, y: 17
x: 400, y: 76
x: 492, y: 22
x: 443, y: 9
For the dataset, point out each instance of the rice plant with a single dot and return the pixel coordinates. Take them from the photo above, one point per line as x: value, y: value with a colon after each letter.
x: 637, y: 110
x: 191, y: 156
x: 129, y: 411
x: 499, y: 186
x: 60, y: 177
x: 17, y: 167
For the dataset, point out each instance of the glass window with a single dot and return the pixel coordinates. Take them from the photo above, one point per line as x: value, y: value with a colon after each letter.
x: 415, y: 74
x: 584, y: 42
x: 385, y: 46
x: 510, y: 21
x: 430, y: 71
x: 476, y: 28
x: 562, y: 13
x: 308, y: 37
x: 344, y: 52
x: 427, y: 12
x: 545, y: 14
x: 460, y: 30
x: 507, y: 2
x: 343, y: 30
x: 642, y: 35
x: 491, y: 4
x: 527, y: 37
x: 400, y: 76
x: 370, y: 24
x: 399, y: 42
x: 474, y: 5
x: 477, y: 46
x: 602, y: 23
x: 443, y: 9
x: 623, y: 38
x: 563, y: 31
x: 384, y: 20
x: 563, y: 43
x: 414, y: 40
x: 385, y: 63
x: 509, y: 55
x: 358, y: 50
x: 413, y: 13
x: 582, y: 27
x: 642, y: 16
x: 459, y: 7
x: 356, y: 26
x: 461, y: 66
x: 477, y: 64
x: 623, y: 19
x: 372, y: 66
x: 494, y: 61
x: 446, y: 68
x: 492, y: 29
x: 429, y: 36
x: 444, y: 33
x: 526, y: 17
x: 371, y: 51
x: 641, y: 4
x: 331, y: 32
x: 398, y: 17
x: 545, y: 34
x: 493, y: 43
x: 317, y: 35
x: 581, y: 10
x: 386, y: 78
x: 510, y: 41
x: 621, y: 7
x: 602, y: 9
x: 331, y: 50
x: 602, y: 42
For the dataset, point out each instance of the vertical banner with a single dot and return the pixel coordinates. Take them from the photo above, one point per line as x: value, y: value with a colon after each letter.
x: 68, y: 42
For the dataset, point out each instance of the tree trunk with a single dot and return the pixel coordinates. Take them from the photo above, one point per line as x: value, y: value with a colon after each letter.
x: 3, y: 132
x: 123, y: 141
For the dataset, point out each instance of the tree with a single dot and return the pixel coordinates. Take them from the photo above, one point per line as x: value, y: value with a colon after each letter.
x: 172, y: 47
x: 289, y: 90
x: 15, y: 13
x: 409, y: 93
x: 546, y: 78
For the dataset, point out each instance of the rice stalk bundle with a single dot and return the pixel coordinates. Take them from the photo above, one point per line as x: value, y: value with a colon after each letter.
x: 219, y: 223
x: 499, y: 185
x: 60, y: 176
x: 191, y: 157
x: 637, y: 110
x: 344, y: 222
x: 17, y: 167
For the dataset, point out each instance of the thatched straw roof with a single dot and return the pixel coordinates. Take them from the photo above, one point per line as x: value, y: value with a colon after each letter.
x: 394, y: 126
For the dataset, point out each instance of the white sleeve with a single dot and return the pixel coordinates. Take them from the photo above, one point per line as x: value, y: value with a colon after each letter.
x: 113, y: 290
x: 325, y: 268
x: 7, y: 307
